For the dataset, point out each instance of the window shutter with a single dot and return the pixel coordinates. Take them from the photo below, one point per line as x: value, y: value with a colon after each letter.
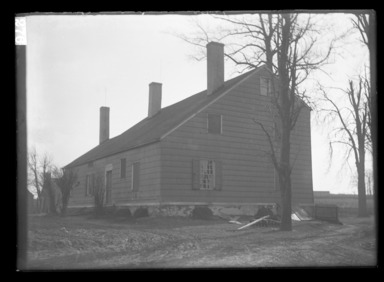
x: 218, y: 175
x: 92, y: 185
x: 195, y: 175
x: 136, y: 176
x: 122, y: 168
x: 86, y: 185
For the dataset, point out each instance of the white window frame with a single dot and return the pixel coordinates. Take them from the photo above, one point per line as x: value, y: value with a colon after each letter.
x: 209, y: 174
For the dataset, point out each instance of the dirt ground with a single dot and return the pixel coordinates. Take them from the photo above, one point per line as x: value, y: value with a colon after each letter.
x: 81, y: 242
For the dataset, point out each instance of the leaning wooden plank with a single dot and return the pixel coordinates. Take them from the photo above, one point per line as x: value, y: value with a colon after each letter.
x: 253, y: 222
x: 235, y: 221
x: 234, y: 217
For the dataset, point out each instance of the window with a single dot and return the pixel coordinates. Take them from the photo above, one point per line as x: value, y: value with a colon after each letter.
x: 135, y: 177
x: 265, y: 86
x: 214, y: 123
x: 206, y: 175
x: 123, y: 168
x: 89, y: 184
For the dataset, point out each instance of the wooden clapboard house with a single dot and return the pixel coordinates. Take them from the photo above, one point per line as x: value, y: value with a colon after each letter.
x: 203, y: 150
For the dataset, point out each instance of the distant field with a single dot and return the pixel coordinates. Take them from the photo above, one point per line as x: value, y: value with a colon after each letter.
x: 347, y: 204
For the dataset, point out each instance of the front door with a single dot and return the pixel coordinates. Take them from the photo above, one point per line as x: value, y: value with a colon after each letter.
x: 108, y: 187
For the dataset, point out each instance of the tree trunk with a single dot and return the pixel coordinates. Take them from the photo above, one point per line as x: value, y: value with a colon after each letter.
x: 372, y: 64
x: 39, y: 204
x: 285, y: 115
x: 362, y: 198
x: 286, y: 197
x: 285, y: 179
x: 65, y: 199
x: 361, y: 194
x: 52, y: 202
x: 46, y: 203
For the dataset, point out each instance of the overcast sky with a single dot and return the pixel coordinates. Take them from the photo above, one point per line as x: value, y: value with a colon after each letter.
x: 75, y: 64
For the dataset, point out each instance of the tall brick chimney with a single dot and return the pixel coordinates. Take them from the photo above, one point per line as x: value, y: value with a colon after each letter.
x: 154, y: 103
x: 104, y: 124
x: 215, y: 66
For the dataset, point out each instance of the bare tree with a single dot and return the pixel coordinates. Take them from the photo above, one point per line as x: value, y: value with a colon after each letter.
x: 353, y: 131
x: 369, y: 182
x: 51, y: 194
x: 34, y: 175
x: 365, y: 23
x: 40, y: 168
x: 285, y: 43
x: 66, y: 179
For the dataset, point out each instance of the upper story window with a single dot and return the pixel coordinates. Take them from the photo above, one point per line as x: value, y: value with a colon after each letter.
x: 215, y: 123
x: 265, y: 86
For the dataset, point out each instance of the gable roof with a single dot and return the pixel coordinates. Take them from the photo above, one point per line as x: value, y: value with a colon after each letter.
x: 153, y: 129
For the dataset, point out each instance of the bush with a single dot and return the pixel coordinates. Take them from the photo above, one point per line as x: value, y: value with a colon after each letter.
x: 202, y: 213
x: 123, y: 212
x: 109, y: 211
x: 141, y: 212
x: 263, y: 211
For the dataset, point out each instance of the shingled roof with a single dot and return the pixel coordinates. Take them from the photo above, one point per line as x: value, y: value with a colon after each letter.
x: 151, y: 129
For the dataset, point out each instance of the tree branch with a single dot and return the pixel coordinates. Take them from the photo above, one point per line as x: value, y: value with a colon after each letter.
x: 272, y: 155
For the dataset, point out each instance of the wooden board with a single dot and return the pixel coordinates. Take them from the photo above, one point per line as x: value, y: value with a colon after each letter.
x: 253, y: 222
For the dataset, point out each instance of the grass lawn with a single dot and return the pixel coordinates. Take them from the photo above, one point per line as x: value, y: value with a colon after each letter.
x: 82, y: 242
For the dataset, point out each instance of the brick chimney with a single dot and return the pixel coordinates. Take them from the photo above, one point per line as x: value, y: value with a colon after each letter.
x: 154, y: 103
x: 215, y: 66
x: 104, y: 124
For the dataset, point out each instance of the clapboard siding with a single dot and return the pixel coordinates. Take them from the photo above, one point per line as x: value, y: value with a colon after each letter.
x: 150, y: 168
x: 247, y: 174
x: 302, y: 189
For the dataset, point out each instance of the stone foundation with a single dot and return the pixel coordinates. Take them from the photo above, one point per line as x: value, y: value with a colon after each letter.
x: 217, y: 209
x: 185, y: 210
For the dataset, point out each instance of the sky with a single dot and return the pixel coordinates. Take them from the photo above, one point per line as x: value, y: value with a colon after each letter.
x: 78, y: 63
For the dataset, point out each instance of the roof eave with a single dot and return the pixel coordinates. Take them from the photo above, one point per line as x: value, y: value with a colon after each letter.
x: 74, y: 164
